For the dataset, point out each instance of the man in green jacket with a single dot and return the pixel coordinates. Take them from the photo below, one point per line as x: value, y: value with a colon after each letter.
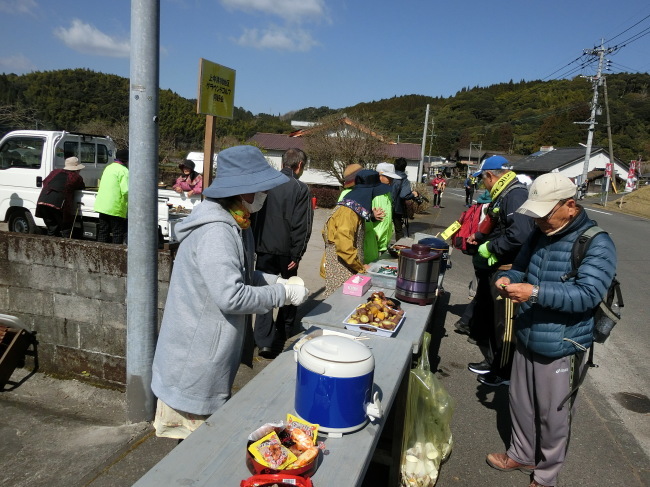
x: 112, y: 200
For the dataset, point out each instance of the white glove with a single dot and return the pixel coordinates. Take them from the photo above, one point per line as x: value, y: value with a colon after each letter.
x: 296, y: 294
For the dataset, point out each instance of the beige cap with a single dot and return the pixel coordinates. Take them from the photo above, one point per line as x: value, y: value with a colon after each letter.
x: 546, y: 192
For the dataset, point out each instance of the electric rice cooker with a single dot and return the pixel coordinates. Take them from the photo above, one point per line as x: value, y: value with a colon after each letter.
x: 334, y: 384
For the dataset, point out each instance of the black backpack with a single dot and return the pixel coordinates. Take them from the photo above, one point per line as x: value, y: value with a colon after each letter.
x: 608, y: 311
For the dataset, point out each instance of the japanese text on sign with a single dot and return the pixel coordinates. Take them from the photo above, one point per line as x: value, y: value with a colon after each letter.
x: 216, y: 90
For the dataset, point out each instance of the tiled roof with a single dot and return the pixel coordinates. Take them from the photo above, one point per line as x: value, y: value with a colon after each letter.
x: 285, y: 142
x: 277, y: 141
x: 543, y: 162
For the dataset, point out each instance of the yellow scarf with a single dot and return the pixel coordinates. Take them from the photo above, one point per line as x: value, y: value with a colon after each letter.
x: 241, y: 215
x: 500, y: 185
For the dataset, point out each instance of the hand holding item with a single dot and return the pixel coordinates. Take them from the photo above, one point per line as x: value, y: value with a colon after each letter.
x: 518, y: 292
x: 502, y: 286
x: 178, y: 189
x: 296, y: 294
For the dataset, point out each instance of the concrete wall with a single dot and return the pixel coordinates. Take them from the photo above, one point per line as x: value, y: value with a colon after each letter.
x: 73, y: 294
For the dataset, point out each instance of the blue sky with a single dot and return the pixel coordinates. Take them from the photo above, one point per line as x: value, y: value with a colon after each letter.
x: 292, y: 54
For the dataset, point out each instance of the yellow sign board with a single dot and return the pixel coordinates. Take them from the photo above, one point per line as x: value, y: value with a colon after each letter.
x: 216, y: 90
x: 450, y: 230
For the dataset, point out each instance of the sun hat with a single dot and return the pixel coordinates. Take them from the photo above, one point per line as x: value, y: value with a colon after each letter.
x: 367, y: 186
x: 387, y: 169
x: 72, y: 164
x: 546, y: 192
x: 188, y: 164
x: 492, y: 163
x: 122, y: 155
x: 243, y: 169
x: 349, y: 173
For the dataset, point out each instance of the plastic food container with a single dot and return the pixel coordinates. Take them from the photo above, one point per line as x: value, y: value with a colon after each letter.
x: 370, y: 329
x: 380, y: 277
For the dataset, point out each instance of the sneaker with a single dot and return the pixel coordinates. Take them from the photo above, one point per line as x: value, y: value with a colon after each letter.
x: 462, y: 327
x: 501, y: 461
x: 493, y: 380
x: 479, y: 367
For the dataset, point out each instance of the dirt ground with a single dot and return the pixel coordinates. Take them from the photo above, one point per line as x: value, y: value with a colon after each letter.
x: 635, y: 203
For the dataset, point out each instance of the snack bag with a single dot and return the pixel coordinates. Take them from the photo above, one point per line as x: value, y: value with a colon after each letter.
x: 310, y: 429
x: 269, y: 452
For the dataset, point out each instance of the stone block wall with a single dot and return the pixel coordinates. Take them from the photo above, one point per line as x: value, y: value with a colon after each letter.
x: 72, y: 293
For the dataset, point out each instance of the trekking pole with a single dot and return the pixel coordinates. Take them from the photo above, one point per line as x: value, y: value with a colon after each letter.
x: 75, y: 218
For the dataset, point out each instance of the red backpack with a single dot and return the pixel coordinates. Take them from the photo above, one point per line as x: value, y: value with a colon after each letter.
x: 469, y: 222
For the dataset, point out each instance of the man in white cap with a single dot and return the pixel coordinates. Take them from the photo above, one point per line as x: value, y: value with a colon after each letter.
x: 554, y: 326
x: 55, y: 203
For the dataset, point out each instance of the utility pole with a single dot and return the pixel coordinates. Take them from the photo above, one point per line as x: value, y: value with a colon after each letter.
x: 424, y: 144
x: 596, y: 81
x: 142, y: 264
x: 611, y: 146
x: 478, y: 157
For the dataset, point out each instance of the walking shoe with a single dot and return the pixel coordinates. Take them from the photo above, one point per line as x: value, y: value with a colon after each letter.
x: 534, y: 483
x: 479, y: 367
x: 462, y: 327
x: 267, y: 352
x: 501, y: 461
x: 493, y: 380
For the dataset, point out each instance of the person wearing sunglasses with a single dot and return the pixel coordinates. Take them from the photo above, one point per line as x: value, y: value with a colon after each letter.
x: 553, y: 327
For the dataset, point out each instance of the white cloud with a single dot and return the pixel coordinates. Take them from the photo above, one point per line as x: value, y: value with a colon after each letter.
x: 277, y: 38
x: 18, y: 6
x: 17, y: 64
x: 88, y: 39
x: 291, y: 10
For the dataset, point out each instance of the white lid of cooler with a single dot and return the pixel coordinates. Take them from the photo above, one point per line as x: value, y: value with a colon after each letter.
x: 336, y: 356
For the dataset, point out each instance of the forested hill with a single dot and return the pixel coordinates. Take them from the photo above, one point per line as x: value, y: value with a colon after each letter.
x: 516, y: 117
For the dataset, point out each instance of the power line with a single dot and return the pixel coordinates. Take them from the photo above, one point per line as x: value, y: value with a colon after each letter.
x: 608, y: 41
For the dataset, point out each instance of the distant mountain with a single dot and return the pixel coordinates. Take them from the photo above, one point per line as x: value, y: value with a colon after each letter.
x: 512, y: 117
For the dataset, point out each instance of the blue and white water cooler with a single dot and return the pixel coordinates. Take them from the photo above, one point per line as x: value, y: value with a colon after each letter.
x: 334, y: 384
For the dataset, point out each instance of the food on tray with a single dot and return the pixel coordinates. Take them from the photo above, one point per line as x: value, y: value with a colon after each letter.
x: 387, y: 270
x: 308, y: 456
x: 297, y: 427
x: 379, y: 311
x: 270, y: 452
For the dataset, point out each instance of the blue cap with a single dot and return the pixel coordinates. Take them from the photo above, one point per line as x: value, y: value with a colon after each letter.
x: 491, y: 163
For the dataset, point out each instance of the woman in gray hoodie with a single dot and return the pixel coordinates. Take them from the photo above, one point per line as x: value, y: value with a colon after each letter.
x: 213, y: 290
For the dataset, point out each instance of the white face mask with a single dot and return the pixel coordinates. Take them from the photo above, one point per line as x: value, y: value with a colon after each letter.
x: 256, y: 205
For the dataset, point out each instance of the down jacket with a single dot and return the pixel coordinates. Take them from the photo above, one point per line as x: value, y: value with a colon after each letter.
x: 561, y: 322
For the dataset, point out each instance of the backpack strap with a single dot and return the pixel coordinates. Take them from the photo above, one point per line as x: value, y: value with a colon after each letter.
x: 579, y: 250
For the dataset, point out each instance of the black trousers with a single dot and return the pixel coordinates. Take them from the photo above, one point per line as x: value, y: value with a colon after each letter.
x: 112, y: 229
x: 53, y: 219
x: 267, y: 332
x: 469, y: 196
x: 399, y: 227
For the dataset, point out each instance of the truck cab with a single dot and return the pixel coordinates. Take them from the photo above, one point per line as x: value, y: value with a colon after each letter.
x: 28, y: 156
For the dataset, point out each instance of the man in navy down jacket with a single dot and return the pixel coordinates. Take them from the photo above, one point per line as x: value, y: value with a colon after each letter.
x: 554, y: 327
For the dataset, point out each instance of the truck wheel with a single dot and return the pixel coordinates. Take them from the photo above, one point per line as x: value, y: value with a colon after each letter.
x: 21, y: 221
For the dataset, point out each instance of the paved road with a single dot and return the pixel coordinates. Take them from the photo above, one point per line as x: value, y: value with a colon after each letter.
x: 623, y: 375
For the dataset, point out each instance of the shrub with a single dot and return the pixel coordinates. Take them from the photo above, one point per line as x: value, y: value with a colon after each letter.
x: 423, y: 190
x: 326, y: 196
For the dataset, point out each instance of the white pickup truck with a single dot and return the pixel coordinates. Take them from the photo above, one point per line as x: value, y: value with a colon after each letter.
x: 28, y: 156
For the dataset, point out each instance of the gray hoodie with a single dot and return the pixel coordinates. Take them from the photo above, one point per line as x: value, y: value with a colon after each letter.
x: 212, y: 289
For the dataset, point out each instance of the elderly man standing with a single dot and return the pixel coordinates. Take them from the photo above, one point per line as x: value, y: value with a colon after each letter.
x: 554, y: 327
x: 500, y: 239
x: 282, y: 229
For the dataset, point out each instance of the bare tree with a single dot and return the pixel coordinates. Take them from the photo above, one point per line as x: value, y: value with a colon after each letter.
x: 17, y: 117
x: 338, y: 141
x: 118, y: 131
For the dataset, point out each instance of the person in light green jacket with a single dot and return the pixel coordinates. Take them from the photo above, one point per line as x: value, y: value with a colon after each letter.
x: 112, y: 200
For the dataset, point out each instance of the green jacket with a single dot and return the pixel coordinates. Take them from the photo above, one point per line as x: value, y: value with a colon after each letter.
x: 379, y: 233
x: 113, y: 194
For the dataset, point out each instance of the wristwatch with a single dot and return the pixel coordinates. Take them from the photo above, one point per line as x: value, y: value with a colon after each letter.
x: 534, y: 294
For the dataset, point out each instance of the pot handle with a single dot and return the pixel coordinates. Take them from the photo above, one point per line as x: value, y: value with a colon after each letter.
x: 374, y: 409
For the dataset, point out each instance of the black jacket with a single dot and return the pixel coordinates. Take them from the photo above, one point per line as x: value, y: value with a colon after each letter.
x: 283, y: 225
x: 511, y: 229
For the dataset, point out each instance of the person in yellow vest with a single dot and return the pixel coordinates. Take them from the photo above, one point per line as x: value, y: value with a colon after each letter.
x: 112, y: 200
